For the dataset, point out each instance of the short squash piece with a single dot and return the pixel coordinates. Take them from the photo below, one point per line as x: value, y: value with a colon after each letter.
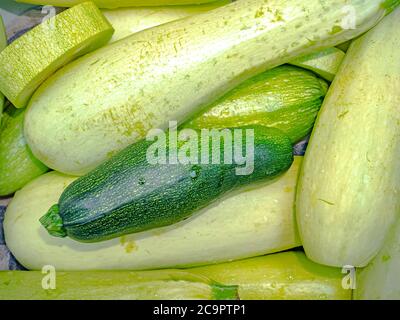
x: 33, y: 57
x: 261, y: 220
x: 348, y: 194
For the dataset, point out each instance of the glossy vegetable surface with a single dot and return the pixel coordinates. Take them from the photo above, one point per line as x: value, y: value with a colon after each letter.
x: 130, y: 193
x: 123, y: 285
x: 17, y: 164
x: 380, y: 279
x: 348, y: 195
x: 261, y: 220
x: 34, y: 56
x: 286, y: 97
x: 281, y: 276
x: 110, y: 98
x: 117, y: 3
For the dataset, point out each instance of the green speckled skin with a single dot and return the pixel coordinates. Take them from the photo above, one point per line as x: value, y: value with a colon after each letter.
x: 17, y: 164
x: 127, y: 195
x: 287, y: 98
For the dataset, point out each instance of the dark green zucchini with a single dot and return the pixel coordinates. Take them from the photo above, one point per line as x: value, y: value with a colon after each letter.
x: 126, y: 194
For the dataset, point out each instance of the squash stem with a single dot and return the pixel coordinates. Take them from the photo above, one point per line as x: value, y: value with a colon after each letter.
x: 53, y: 223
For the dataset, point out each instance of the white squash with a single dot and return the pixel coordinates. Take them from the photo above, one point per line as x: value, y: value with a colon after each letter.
x: 349, y: 188
x: 101, y: 103
x: 254, y: 222
x: 127, y: 21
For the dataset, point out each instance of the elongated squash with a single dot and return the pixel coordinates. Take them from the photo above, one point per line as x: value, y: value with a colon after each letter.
x: 127, y: 21
x: 128, y: 194
x: 287, y: 275
x: 111, y: 98
x: 256, y: 221
x: 122, y: 285
x: 348, y: 193
x: 286, y: 97
x: 281, y: 276
x: 116, y: 3
x: 380, y: 279
x: 17, y: 164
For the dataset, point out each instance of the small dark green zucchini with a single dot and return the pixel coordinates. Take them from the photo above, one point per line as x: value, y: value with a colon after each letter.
x: 127, y: 194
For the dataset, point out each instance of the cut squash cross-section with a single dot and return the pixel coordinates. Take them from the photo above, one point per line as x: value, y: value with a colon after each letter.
x: 33, y: 57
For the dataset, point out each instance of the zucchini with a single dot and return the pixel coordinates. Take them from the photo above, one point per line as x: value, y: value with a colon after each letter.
x: 380, y: 279
x: 3, y: 44
x: 287, y: 275
x: 286, y: 97
x: 17, y: 164
x: 127, y: 194
x: 281, y: 276
x: 348, y: 194
x: 125, y: 285
x: 261, y: 220
x: 325, y: 63
x: 110, y: 98
x: 33, y: 57
x: 127, y: 21
x: 116, y: 3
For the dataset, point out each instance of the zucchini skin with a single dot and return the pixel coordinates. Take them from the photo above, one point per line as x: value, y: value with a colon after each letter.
x: 112, y: 4
x: 286, y: 275
x: 127, y: 21
x: 380, y: 279
x: 3, y: 44
x: 261, y: 221
x: 128, y: 195
x: 117, y: 285
x: 283, y: 276
x: 18, y: 166
x: 110, y: 98
x: 287, y: 98
x: 349, y: 185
